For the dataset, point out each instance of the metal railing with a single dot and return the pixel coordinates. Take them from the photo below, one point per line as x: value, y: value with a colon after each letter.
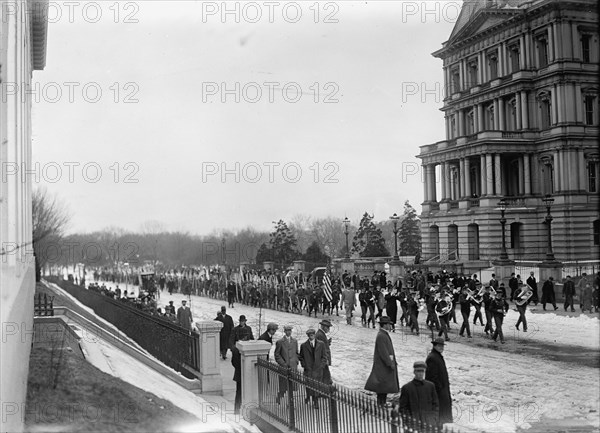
x: 306, y: 405
x: 43, y: 305
x: 171, y: 344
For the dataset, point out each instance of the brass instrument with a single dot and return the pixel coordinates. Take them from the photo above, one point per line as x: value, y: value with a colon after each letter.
x: 523, y: 294
x: 475, y: 297
x: 444, y: 306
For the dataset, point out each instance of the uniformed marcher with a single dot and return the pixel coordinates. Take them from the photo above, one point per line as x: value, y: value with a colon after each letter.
x: 498, y: 307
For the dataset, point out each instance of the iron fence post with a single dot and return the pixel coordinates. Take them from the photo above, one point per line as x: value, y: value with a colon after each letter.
x: 292, y: 413
x: 333, y: 409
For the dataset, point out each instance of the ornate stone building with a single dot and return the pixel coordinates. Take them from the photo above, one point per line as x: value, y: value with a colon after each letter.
x: 522, y: 122
x: 23, y: 28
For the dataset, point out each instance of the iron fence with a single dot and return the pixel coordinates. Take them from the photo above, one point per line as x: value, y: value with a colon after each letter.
x: 306, y: 405
x: 171, y: 344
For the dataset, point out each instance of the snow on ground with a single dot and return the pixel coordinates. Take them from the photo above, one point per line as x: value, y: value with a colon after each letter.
x: 211, y: 417
x: 495, y: 390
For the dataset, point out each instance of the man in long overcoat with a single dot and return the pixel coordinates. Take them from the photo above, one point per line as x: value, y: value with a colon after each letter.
x: 322, y: 336
x: 184, y: 316
x: 548, y: 293
x: 383, y: 379
x: 418, y: 399
x: 226, y: 331
x: 438, y: 374
x: 313, y: 357
x: 286, y: 355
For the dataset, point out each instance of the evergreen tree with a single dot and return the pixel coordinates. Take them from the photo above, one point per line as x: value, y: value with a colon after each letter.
x: 368, y: 240
x: 283, y: 244
x: 409, y: 232
x: 264, y: 254
x: 315, y: 255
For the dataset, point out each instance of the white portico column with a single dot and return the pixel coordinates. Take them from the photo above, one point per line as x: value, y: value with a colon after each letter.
x: 467, y: 176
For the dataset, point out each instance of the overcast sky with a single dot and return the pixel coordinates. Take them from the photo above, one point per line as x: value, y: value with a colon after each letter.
x: 187, y: 92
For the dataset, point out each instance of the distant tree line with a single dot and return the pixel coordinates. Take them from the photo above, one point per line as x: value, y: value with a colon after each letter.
x: 303, y: 238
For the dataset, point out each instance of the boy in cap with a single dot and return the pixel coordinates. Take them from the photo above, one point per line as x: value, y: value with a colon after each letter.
x: 418, y: 400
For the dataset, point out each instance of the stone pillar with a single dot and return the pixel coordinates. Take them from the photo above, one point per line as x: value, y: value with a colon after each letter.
x: 526, y: 174
x: 467, y: 176
x: 480, y: 126
x: 524, y: 110
x: 210, y: 356
x: 431, y: 182
x: 496, y: 117
x: 396, y: 270
x: 461, y: 178
x: 250, y: 351
x: 520, y: 176
x: 523, y: 57
x: 579, y: 116
x: 518, y: 111
x: 446, y: 181
x: 483, y: 178
x: 489, y: 178
x: 556, y: 166
x: 582, y: 170
x: 299, y: 265
x: 443, y: 174
x: 501, y: 121
x: 498, y: 174
x: 554, y: 108
x: 425, y: 183
x: 461, y: 123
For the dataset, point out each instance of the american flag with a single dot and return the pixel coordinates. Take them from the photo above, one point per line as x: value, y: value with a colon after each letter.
x: 327, y: 290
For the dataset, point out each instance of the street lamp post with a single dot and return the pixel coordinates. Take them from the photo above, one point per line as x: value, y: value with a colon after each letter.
x: 503, y: 204
x: 548, y: 201
x: 395, y: 218
x: 346, y: 232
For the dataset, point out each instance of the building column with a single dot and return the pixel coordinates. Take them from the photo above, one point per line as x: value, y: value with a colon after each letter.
x: 446, y: 180
x: 518, y: 111
x: 556, y: 171
x: 576, y: 45
x: 461, y: 123
x: 526, y: 174
x: 425, y: 183
x: 498, y: 174
x: 432, y: 195
x: 564, y: 182
x: 480, y: 76
x: 560, y: 97
x: 461, y: 178
x: 501, y: 121
x: 479, y: 117
x: 581, y: 170
x: 496, y: 121
x: 554, y: 103
x: 520, y: 175
x: 557, y: 43
x: 524, y: 110
x: 467, y: 176
x: 443, y: 174
x: 551, y: 46
x: 490, y: 174
x: 482, y: 175
x: 578, y: 104
x: 502, y: 58
x: 522, y: 53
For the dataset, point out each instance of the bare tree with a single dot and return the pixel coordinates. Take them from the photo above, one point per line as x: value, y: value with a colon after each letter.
x: 50, y: 219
